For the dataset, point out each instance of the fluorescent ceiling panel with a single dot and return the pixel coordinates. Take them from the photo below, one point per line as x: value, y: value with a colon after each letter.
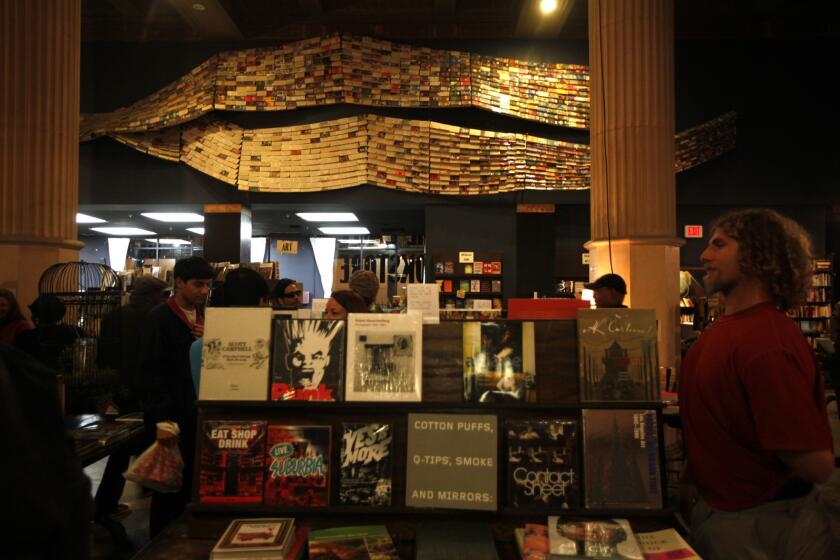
x: 328, y: 216
x: 173, y: 216
x: 359, y: 241
x: 197, y: 230
x: 85, y: 219
x: 345, y: 230
x: 123, y: 231
x: 169, y: 241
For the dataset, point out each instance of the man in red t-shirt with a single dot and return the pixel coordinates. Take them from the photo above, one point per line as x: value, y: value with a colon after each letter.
x: 752, y: 403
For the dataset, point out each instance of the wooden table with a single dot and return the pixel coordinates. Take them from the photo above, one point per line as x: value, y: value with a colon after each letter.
x: 97, y: 437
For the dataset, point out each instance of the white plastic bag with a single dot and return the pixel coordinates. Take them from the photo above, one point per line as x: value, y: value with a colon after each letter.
x: 161, y: 466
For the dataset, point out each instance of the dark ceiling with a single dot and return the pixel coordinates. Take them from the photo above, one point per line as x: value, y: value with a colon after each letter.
x: 288, y: 20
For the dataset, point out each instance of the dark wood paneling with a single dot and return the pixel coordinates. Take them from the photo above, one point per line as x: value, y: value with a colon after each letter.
x: 557, y: 367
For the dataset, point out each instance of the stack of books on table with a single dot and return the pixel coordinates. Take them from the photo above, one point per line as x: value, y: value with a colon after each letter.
x: 597, y: 538
x: 250, y: 539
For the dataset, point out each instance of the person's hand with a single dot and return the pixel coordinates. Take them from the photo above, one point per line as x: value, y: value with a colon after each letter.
x: 197, y: 330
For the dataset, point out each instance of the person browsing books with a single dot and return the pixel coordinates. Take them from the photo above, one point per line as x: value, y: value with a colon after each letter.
x: 365, y: 283
x: 752, y: 402
x: 342, y: 302
x: 287, y: 294
x: 243, y: 287
x: 608, y: 290
x: 164, y: 373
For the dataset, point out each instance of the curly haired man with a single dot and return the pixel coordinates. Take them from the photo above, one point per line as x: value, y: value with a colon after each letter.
x: 751, y: 399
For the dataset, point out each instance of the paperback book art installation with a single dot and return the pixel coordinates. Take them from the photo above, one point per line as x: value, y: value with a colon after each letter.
x: 618, y: 356
x: 542, y: 461
x: 384, y: 357
x: 591, y: 538
x: 621, y: 452
x: 365, y: 476
x: 232, y: 462
x: 406, y: 155
x: 234, y: 355
x: 499, y: 361
x: 308, y: 359
x: 298, y: 466
x: 392, y: 153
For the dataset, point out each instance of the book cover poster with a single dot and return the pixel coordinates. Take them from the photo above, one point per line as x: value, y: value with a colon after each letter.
x: 372, y: 542
x: 235, y: 352
x: 232, y: 462
x: 308, y: 360
x: 298, y: 466
x: 365, y: 474
x: 618, y: 356
x: 592, y: 538
x: 384, y: 357
x: 451, y: 461
x: 499, y: 361
x: 543, y: 463
x: 621, y: 459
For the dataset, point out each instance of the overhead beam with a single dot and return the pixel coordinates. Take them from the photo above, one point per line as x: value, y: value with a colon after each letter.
x: 534, y: 24
x: 213, y: 22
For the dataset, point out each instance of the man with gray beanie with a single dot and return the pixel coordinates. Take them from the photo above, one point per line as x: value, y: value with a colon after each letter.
x: 365, y: 283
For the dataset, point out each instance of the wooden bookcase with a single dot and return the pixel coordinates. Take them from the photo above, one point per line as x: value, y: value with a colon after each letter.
x: 443, y: 381
x: 814, y: 315
x: 451, y: 274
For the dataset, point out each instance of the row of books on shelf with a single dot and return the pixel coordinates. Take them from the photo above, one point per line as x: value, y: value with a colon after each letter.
x: 477, y: 267
x: 559, y: 537
x: 247, y: 355
x: 819, y: 295
x: 822, y: 280
x: 476, y: 286
x: 813, y: 311
x: 261, y: 462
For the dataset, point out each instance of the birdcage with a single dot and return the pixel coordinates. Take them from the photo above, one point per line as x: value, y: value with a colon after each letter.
x: 89, y: 292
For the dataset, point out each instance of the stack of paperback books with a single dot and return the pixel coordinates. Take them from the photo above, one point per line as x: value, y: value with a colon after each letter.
x: 261, y: 538
x: 372, y: 542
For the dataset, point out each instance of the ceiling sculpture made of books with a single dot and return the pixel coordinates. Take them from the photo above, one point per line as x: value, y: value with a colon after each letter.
x: 409, y: 155
x: 401, y: 154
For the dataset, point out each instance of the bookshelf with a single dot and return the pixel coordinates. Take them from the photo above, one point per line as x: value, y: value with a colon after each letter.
x: 814, y: 315
x: 557, y: 397
x: 462, y: 284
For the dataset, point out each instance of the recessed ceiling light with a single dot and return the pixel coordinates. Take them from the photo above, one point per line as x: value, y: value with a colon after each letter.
x: 168, y: 241
x: 372, y: 247
x: 198, y: 230
x: 328, y: 216
x: 173, y: 216
x: 357, y: 230
x: 358, y: 241
x: 123, y: 231
x: 548, y: 6
x: 85, y: 219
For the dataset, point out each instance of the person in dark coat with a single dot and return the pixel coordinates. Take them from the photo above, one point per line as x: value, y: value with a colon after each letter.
x: 44, y: 493
x: 50, y: 341
x: 164, y: 372
x: 119, y: 349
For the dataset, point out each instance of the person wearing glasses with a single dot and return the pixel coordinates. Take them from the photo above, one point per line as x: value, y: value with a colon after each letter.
x: 287, y: 294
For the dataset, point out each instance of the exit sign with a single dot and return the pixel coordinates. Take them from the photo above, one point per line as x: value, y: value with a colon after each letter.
x: 694, y: 232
